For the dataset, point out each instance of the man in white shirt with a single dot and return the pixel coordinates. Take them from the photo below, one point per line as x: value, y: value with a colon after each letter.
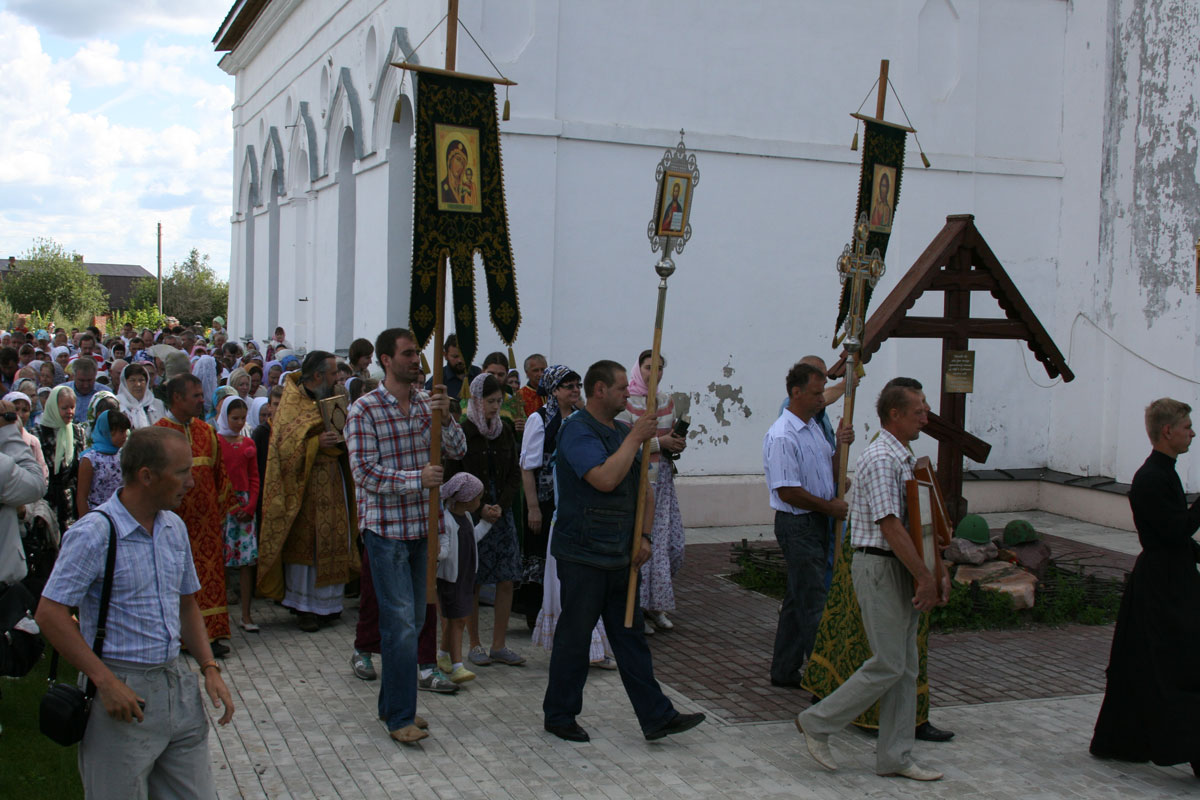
x: 798, y: 462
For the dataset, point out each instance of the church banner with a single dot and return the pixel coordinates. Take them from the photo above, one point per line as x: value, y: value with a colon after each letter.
x: 878, y: 192
x: 458, y: 209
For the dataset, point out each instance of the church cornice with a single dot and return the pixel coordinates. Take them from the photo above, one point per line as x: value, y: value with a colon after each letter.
x: 249, y: 25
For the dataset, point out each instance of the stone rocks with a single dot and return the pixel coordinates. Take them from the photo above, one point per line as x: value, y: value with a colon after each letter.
x: 1000, y: 576
x: 962, y: 551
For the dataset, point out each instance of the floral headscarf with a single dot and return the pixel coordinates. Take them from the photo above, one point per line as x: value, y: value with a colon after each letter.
x: 462, y: 488
x: 490, y: 428
x: 94, y: 412
x: 551, y: 378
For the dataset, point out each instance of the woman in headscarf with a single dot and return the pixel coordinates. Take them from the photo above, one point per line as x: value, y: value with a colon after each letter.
x: 272, y: 370
x: 667, y: 538
x: 492, y: 458
x: 220, y: 394
x: 29, y: 387
x: 205, y: 369
x: 239, y: 379
x: 22, y: 404
x: 103, y: 400
x: 45, y: 371
x: 100, y: 465
x: 62, y: 442
x: 137, y: 401
x: 60, y: 356
x: 560, y: 386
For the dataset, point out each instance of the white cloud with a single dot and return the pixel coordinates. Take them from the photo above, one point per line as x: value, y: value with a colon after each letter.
x: 98, y: 185
x: 87, y: 18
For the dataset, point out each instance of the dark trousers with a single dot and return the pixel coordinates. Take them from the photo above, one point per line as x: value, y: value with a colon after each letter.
x: 589, y: 594
x: 427, y: 638
x: 805, y: 542
x: 366, y: 634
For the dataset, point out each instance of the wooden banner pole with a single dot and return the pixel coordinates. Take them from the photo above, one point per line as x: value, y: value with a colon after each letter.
x: 644, y: 478
x: 439, y: 336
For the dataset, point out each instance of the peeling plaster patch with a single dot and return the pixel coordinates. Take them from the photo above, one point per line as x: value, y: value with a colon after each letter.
x: 725, y: 393
x: 1149, y: 188
x: 727, y: 370
x: 683, y: 404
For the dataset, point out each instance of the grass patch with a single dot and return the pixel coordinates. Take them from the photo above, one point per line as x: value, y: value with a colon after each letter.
x: 1064, y: 597
x: 32, y: 766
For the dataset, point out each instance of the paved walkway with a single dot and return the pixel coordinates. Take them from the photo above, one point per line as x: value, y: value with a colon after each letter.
x: 306, y: 727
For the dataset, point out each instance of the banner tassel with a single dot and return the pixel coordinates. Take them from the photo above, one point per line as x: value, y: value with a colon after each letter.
x: 854, y: 141
x: 505, y: 115
x: 424, y: 364
x: 512, y: 359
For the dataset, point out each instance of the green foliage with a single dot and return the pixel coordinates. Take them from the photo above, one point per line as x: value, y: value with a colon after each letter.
x: 191, y: 291
x: 48, y: 276
x: 753, y: 577
x: 139, y: 316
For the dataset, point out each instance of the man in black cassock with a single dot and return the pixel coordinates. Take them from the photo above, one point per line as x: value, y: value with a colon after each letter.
x: 1151, y: 709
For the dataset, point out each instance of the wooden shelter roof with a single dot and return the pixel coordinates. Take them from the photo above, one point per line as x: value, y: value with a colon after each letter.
x: 940, y: 268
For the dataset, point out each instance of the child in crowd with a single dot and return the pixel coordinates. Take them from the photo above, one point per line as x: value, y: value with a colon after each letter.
x: 100, y: 465
x: 457, y: 559
x: 241, y: 465
x: 262, y: 438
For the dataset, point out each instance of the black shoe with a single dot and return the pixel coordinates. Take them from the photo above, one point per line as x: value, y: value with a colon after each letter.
x: 571, y: 733
x: 926, y: 732
x: 219, y: 650
x: 794, y: 683
x: 678, y: 724
x: 309, y: 623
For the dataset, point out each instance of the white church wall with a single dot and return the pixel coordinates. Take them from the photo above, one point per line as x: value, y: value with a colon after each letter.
x: 1009, y: 102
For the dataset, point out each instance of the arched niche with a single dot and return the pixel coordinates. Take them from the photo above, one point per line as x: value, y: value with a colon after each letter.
x: 246, y: 203
x: 302, y: 152
x: 386, y: 95
x: 400, y: 214
x: 345, y: 112
x: 347, y: 222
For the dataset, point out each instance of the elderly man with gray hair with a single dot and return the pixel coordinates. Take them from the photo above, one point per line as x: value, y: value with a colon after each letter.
x: 306, y: 546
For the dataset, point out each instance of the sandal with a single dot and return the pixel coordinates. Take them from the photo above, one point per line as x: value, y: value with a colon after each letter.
x: 249, y: 627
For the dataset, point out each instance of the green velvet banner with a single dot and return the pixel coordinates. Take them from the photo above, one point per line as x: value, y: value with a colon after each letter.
x: 878, y: 194
x: 458, y: 209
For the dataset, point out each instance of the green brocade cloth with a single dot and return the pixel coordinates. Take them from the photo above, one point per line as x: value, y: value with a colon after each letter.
x: 841, y: 646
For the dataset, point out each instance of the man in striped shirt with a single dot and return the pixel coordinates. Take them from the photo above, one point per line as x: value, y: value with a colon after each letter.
x: 388, y: 433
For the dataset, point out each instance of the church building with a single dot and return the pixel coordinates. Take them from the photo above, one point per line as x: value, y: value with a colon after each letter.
x: 1068, y: 129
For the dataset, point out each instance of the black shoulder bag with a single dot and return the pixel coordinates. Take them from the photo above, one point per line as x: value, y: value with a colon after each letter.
x: 63, y: 714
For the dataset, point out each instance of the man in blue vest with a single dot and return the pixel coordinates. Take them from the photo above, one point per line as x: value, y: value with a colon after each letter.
x: 597, y: 470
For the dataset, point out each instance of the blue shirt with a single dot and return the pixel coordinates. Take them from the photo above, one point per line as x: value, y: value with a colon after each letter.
x: 82, y: 400
x: 796, y: 453
x: 150, y: 574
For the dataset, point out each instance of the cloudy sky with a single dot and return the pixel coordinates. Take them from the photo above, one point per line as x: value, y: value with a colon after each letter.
x: 116, y: 117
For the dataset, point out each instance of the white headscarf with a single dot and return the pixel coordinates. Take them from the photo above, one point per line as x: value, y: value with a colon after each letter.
x: 223, y: 428
x: 205, y: 369
x: 142, y: 413
x: 256, y: 405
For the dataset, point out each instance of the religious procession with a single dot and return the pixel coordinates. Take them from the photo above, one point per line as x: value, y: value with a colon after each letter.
x: 347, y: 541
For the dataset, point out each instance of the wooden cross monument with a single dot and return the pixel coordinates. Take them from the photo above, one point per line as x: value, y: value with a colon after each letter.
x: 957, y: 262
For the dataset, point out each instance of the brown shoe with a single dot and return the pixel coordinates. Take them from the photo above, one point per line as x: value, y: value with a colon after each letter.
x: 420, y: 722
x: 409, y: 734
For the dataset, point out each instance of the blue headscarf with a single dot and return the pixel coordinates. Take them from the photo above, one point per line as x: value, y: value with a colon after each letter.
x: 102, y: 436
x: 221, y: 393
x: 290, y: 362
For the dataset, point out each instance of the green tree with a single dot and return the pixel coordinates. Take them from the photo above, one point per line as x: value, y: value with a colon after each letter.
x: 48, y: 276
x: 191, y: 291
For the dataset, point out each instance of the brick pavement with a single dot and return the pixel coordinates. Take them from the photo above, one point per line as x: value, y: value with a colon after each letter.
x: 720, y: 652
x: 305, y: 727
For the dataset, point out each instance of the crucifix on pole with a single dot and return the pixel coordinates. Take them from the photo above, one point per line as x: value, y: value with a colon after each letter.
x: 861, y: 271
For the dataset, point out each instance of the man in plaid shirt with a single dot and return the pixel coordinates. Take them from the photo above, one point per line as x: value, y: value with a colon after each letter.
x: 387, y: 433
x: 893, y: 587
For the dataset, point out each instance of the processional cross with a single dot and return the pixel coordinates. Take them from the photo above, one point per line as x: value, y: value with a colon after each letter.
x: 861, y: 270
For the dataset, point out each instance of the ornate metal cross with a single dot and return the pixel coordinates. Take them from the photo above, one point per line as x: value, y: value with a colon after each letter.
x: 858, y: 268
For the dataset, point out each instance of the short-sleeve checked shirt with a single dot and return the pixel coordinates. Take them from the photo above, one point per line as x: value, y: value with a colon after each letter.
x: 878, y: 489
x: 388, y: 449
x: 150, y: 574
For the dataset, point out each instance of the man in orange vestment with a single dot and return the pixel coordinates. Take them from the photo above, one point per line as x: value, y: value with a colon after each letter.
x: 205, y: 506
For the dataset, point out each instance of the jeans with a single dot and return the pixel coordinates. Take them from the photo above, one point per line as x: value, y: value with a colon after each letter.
x: 588, y: 594
x: 885, y: 591
x: 398, y: 574
x: 805, y: 542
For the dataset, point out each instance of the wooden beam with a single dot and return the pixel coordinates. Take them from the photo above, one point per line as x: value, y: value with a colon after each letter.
x: 973, y: 281
x: 881, y: 98
x: 938, y: 328
x: 436, y: 71
x: 972, y: 446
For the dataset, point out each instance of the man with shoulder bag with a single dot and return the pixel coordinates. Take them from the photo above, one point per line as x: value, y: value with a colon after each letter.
x: 148, y: 734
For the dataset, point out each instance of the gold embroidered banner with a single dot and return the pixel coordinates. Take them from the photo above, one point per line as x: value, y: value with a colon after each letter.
x: 458, y: 209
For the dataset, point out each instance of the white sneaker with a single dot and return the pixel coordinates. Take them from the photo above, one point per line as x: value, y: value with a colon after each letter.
x: 818, y: 748
x: 659, y: 619
x: 915, y: 772
x: 649, y: 629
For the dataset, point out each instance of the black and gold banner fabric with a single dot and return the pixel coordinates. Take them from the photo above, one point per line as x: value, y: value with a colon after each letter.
x: 878, y: 194
x: 458, y: 209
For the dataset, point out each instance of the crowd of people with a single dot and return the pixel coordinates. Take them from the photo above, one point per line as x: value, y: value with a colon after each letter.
x: 307, y: 508
x: 307, y: 477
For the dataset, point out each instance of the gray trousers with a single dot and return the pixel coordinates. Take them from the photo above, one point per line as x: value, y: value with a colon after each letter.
x: 166, y: 755
x: 885, y: 592
x: 804, y: 539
